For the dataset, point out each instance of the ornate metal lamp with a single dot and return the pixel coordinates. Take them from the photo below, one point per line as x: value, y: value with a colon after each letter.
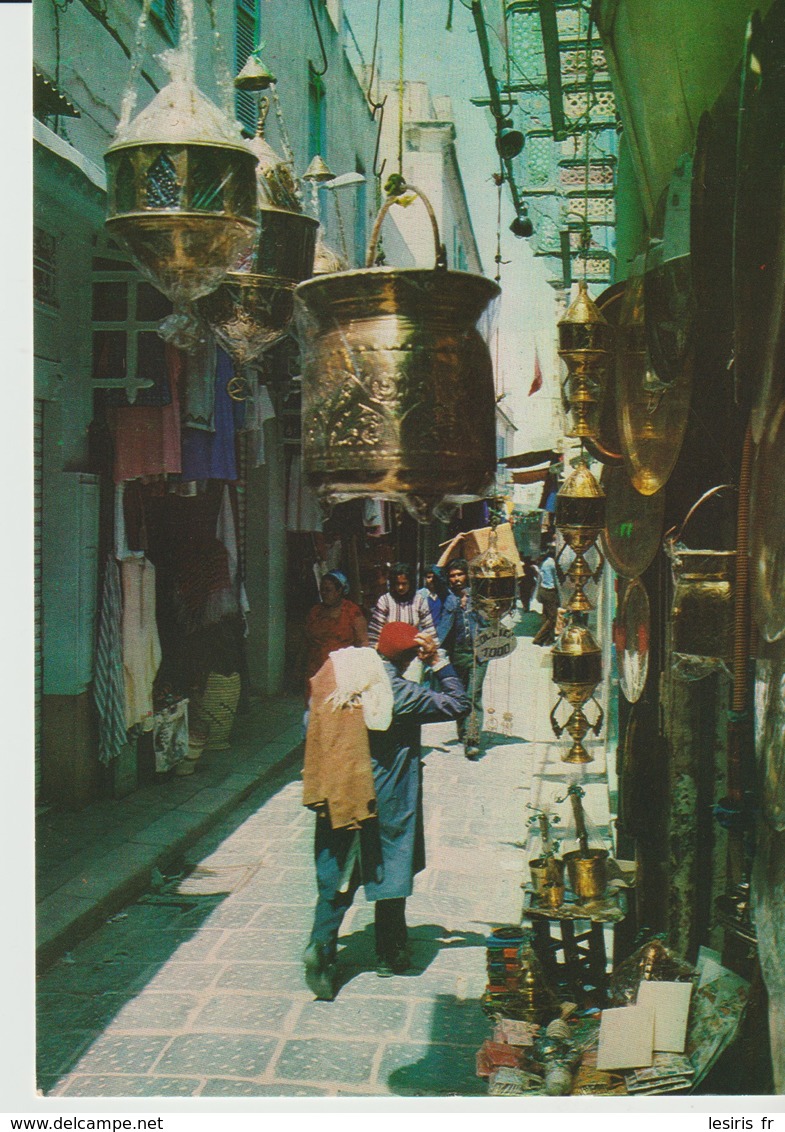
x: 493, y: 579
x: 181, y: 184
x: 585, y: 343
x: 253, y: 307
x: 577, y: 669
x: 580, y: 517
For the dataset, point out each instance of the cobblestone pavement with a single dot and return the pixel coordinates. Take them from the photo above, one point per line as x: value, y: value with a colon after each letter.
x: 197, y: 989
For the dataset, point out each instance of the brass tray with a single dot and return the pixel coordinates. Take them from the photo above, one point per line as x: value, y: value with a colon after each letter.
x: 633, y: 524
x: 767, y: 543
x: 631, y: 636
x: 652, y: 415
x: 606, y: 446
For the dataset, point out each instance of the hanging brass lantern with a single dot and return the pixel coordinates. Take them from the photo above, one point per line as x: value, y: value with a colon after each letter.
x: 580, y: 518
x: 585, y: 343
x: 254, y: 306
x: 181, y: 186
x: 397, y: 383
x: 494, y: 579
x: 577, y: 669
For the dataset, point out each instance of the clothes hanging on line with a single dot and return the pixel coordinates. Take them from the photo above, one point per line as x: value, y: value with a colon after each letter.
x: 109, y: 678
x: 141, y: 646
x: 147, y: 438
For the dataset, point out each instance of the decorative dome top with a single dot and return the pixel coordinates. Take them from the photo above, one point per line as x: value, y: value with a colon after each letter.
x: 179, y: 114
x: 276, y: 186
x: 576, y: 640
x: 582, y: 484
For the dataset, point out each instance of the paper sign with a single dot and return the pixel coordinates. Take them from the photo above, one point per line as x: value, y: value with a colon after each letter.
x: 671, y: 1005
x: 626, y: 1038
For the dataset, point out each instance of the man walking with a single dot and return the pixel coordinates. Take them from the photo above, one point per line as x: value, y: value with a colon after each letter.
x: 363, y: 775
x: 548, y: 595
x: 459, y: 628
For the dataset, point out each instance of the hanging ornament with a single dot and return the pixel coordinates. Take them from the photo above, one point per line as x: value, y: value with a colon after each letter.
x: 580, y: 518
x: 577, y: 670
x: 493, y: 579
x: 180, y: 183
x: 585, y: 344
x: 253, y: 307
x: 397, y: 382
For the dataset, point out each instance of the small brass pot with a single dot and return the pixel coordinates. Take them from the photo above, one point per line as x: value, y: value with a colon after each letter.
x: 543, y: 871
x: 587, y: 873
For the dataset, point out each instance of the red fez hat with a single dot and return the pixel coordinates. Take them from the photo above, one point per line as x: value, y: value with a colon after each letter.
x: 395, y: 638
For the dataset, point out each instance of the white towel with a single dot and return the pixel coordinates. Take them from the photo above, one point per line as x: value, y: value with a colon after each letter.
x: 360, y: 678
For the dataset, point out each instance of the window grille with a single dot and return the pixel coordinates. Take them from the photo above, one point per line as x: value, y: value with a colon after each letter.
x: 164, y: 13
x: 246, y: 40
x: 44, y: 267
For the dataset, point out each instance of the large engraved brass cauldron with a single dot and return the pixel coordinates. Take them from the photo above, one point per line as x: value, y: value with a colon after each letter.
x: 181, y: 190
x: 253, y: 308
x: 397, y: 383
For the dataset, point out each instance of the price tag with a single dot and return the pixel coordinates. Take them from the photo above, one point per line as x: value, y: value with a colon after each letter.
x: 493, y: 644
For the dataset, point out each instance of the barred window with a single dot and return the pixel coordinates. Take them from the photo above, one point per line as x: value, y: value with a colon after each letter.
x: 44, y: 267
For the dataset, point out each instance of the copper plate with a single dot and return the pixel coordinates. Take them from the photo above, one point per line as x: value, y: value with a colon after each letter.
x: 652, y: 416
x: 767, y: 557
x: 633, y: 524
x: 631, y: 637
x: 770, y: 732
x: 606, y: 446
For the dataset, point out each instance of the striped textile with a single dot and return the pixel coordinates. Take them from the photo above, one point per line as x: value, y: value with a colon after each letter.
x: 413, y: 611
x: 109, y: 681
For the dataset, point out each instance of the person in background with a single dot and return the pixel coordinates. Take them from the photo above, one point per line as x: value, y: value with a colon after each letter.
x: 382, y: 846
x: 440, y: 600
x: 333, y: 623
x: 548, y: 596
x: 401, y: 603
x: 460, y: 625
x: 527, y: 583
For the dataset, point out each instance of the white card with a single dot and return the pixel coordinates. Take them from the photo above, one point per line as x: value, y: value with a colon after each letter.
x: 626, y: 1038
x: 671, y: 1005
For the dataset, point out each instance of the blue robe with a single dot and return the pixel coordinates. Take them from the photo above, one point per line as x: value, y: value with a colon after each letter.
x: 392, y: 845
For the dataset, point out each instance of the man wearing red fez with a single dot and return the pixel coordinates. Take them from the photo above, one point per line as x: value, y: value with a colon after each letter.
x: 363, y: 776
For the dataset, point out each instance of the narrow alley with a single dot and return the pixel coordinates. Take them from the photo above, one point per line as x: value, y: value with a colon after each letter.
x: 197, y: 989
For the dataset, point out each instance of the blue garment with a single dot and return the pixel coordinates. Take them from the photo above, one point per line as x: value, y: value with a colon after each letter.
x: 392, y: 846
x: 459, y: 625
x: 211, y: 455
x: 548, y: 577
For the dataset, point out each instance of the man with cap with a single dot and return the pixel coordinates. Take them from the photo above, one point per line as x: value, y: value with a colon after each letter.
x: 384, y: 847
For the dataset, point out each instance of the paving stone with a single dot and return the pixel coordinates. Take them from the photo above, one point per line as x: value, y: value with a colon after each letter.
x: 153, y: 1011
x: 121, y: 1054
x: 58, y: 1051
x: 282, y: 977
x: 430, y: 1071
x: 218, y: 1054
x: 225, y: 1087
x: 450, y: 1021
x: 57, y: 1013
x: 251, y: 944
x: 355, y: 1017
x: 184, y: 976
x: 314, y: 1059
x: 244, y: 1012
x: 119, y: 1086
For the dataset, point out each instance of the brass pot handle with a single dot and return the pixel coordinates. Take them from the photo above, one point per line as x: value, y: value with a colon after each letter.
x: 674, y: 536
x: 440, y: 250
